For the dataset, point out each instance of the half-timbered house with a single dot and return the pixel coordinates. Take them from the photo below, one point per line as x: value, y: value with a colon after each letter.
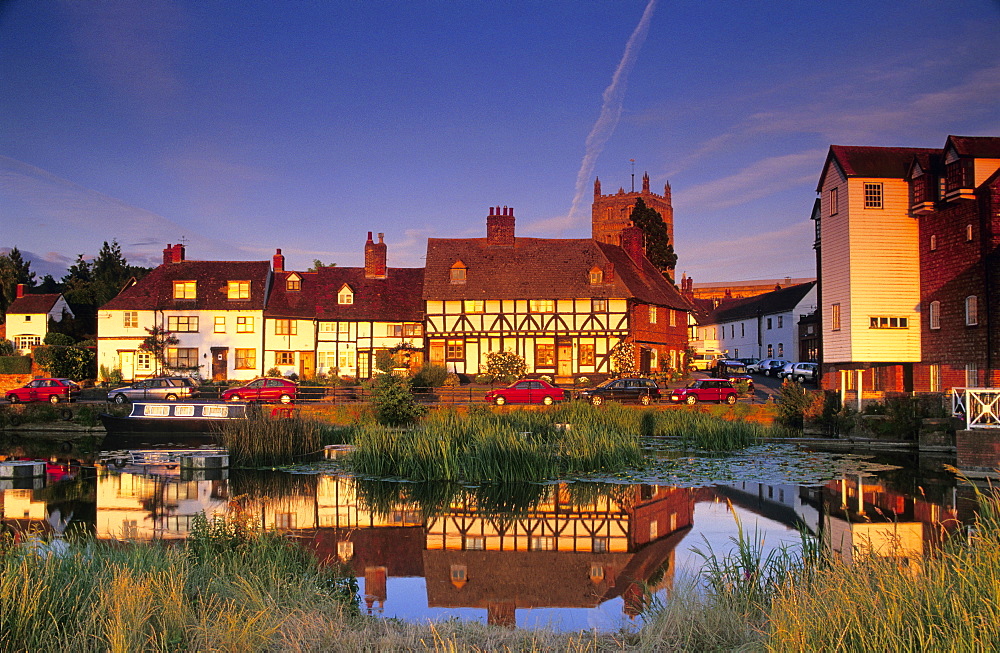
x: 562, y: 304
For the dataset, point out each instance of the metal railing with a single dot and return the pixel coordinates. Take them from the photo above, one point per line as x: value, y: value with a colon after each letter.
x: 979, y: 407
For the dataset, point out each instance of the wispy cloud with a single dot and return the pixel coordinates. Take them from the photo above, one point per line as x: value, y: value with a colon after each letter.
x: 763, y: 178
x: 611, y: 110
x: 725, y: 258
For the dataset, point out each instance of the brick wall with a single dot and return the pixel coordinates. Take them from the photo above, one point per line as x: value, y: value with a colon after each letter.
x: 978, y: 449
x: 11, y: 381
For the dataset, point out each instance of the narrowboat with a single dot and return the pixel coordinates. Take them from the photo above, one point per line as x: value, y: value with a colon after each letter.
x: 173, y: 418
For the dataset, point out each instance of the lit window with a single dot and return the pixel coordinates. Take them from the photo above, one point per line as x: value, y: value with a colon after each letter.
x: 185, y: 290
x: 239, y: 290
x: 182, y: 323
x: 284, y: 358
x: 545, y: 354
x: 873, y: 195
x: 245, y: 324
x: 542, y: 305
x: 473, y: 305
x: 220, y: 324
x: 131, y: 319
x: 293, y: 282
x: 672, y: 316
x: 971, y: 311
x: 458, y: 272
x: 888, y: 323
x: 596, y: 276
x: 345, y: 296
x: 586, y: 354
x: 652, y: 315
x: 246, y: 359
x: 934, y: 315
x: 285, y: 327
x: 935, y: 380
x: 182, y: 357
x: 968, y: 233
x: 455, y: 350
x: 599, y: 305
x: 834, y: 319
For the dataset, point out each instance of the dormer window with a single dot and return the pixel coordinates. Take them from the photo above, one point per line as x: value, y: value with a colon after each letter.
x: 345, y: 296
x: 238, y: 290
x: 293, y: 282
x: 596, y: 276
x: 185, y: 290
x: 458, y: 272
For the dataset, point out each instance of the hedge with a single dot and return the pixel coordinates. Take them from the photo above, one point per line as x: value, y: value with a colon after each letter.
x: 15, y: 364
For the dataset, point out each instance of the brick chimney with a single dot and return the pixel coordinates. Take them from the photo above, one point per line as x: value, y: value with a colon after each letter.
x: 173, y: 253
x: 500, y: 227
x: 375, y: 255
x: 633, y: 242
x: 278, y: 261
x: 20, y: 291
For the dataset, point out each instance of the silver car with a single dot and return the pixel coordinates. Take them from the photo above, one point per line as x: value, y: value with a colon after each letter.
x: 800, y: 372
x: 158, y: 388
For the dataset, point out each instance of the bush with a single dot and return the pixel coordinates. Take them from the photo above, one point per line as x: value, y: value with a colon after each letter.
x: 430, y: 376
x: 53, y: 338
x: 505, y: 366
x: 6, y: 347
x: 66, y: 362
x: 15, y: 364
x: 393, y: 402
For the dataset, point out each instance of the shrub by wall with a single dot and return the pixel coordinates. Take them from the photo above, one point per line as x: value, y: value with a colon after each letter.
x: 15, y: 364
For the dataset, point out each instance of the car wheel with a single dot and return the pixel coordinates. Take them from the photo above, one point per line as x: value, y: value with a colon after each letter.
x: 800, y: 378
x: 120, y: 399
x: 645, y: 400
x: 285, y: 399
x: 730, y: 399
x: 597, y: 400
x: 691, y: 400
x: 12, y: 399
x: 171, y: 397
x: 53, y: 399
x: 547, y: 401
x: 499, y: 401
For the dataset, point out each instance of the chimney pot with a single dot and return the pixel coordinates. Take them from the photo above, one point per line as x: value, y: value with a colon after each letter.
x: 278, y: 261
x: 20, y: 290
x: 500, y: 228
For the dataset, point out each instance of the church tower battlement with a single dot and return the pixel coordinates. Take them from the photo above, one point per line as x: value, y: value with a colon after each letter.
x: 610, y: 213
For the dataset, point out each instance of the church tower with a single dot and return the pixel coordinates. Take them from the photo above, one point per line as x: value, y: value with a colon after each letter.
x: 610, y: 213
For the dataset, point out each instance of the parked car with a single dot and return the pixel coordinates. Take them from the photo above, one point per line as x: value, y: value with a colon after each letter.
x: 51, y: 390
x: 528, y: 391
x: 160, y: 387
x: 771, y: 366
x: 640, y: 391
x: 720, y: 390
x: 734, y: 371
x: 800, y: 372
x: 263, y: 390
x: 751, y: 363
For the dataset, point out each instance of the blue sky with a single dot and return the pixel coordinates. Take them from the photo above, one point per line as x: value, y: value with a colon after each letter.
x: 241, y: 127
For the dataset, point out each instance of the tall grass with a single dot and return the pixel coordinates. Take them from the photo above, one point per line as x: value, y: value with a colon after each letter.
x: 484, y: 447
x: 704, y: 431
x: 262, y: 441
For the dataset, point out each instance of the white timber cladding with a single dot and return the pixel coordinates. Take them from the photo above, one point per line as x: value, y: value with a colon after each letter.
x: 870, y: 268
x: 983, y: 169
x: 578, y: 333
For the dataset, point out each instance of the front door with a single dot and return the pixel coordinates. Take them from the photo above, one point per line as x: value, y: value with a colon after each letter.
x: 307, y: 364
x: 220, y: 363
x: 565, y: 358
x: 127, y: 361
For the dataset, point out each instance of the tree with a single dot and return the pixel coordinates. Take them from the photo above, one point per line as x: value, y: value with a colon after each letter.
x: 319, y: 265
x: 157, y: 343
x: 13, y: 270
x: 505, y: 366
x: 659, y: 250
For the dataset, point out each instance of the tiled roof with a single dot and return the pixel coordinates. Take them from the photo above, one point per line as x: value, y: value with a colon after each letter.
x: 155, y: 291
x: 393, y: 299
x: 984, y: 147
x: 542, y: 268
x: 875, y: 162
x: 33, y: 304
x: 777, y: 301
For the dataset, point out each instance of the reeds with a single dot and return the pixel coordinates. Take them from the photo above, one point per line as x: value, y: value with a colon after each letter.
x: 703, y: 431
x: 265, y: 442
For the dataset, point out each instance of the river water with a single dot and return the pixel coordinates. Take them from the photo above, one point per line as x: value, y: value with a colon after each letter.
x: 580, y: 553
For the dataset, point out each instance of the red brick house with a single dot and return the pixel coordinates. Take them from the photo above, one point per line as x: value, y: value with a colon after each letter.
x: 955, y: 196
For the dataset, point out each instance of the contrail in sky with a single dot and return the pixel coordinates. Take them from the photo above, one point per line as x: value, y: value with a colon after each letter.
x: 611, y: 109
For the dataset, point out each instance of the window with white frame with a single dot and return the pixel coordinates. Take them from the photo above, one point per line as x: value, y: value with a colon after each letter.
x: 543, y: 543
x: 244, y: 324
x: 185, y: 290
x: 343, y: 328
x: 971, y: 311
x: 182, y: 357
x: 458, y: 272
x: 346, y: 296
x: 873, y: 195
x: 285, y: 327
x: 971, y: 375
x: 238, y: 290
x: 672, y: 316
x: 599, y: 305
x: 345, y: 359
x: 542, y: 305
x: 652, y: 314
x: 130, y: 319
x: 934, y: 315
x: 182, y: 323
x: 883, y: 322
x: 219, y: 324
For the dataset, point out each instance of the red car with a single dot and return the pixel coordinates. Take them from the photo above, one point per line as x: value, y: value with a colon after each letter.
x: 52, y: 390
x: 528, y: 391
x: 265, y: 390
x: 720, y: 390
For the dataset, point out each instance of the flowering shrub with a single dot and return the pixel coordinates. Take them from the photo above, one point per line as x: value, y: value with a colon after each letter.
x: 623, y: 357
x: 505, y: 366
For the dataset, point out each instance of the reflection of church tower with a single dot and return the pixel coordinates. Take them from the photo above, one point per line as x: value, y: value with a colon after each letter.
x: 375, y: 589
x: 611, y: 213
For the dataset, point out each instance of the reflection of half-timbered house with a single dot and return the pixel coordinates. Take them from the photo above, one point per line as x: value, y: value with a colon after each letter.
x: 562, y: 304
x: 335, y: 319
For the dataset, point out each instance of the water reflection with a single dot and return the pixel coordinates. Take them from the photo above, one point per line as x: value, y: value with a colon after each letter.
x: 589, y: 553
